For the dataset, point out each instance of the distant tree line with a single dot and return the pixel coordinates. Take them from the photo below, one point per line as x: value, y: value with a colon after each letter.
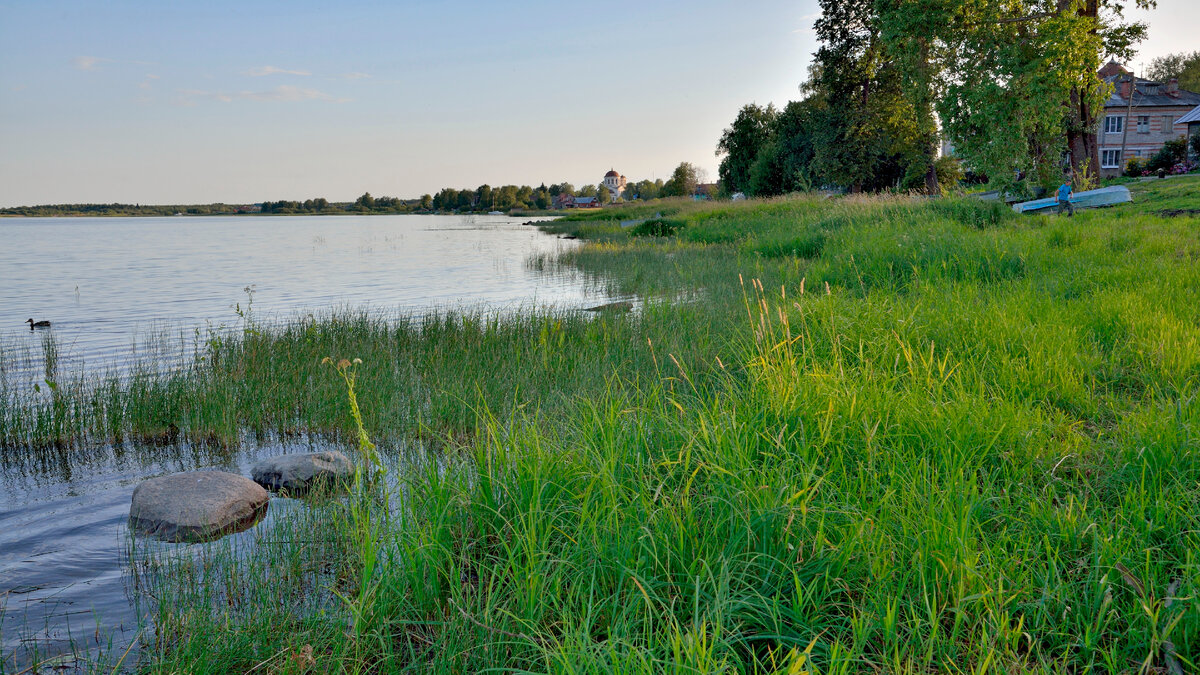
x: 116, y: 209
x: 1013, y: 84
x: 480, y: 200
x: 364, y: 204
x: 486, y: 198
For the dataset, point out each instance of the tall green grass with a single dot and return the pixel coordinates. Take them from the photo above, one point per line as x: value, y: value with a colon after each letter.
x: 840, y: 436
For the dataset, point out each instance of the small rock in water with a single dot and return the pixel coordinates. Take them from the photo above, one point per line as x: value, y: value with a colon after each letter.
x: 297, y: 473
x: 196, y: 505
x: 622, y: 306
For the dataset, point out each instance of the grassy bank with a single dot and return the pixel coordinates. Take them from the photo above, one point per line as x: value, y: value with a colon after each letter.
x: 853, y: 435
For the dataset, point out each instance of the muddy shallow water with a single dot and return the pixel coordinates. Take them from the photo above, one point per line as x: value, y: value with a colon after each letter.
x: 109, y: 286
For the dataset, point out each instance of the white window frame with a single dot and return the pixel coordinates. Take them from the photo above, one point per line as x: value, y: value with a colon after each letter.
x: 1114, y: 124
x: 1168, y: 124
x: 1143, y: 124
x: 1113, y: 163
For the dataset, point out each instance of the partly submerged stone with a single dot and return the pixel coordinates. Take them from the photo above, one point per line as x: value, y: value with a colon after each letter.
x: 618, y: 307
x: 297, y: 473
x: 196, y: 505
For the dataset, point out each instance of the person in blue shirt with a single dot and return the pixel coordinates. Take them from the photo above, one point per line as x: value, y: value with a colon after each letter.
x: 1064, y: 198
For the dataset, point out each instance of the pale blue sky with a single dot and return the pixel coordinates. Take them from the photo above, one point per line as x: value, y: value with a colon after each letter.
x: 172, y: 102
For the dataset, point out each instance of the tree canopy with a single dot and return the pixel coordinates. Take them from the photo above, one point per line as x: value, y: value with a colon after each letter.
x: 1183, y: 66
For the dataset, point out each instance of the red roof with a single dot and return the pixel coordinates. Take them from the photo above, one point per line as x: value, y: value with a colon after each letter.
x: 612, y: 174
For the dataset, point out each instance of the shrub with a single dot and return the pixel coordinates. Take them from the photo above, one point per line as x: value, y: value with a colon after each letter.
x: 949, y: 172
x: 1134, y: 167
x: 1173, y: 152
x: 657, y: 227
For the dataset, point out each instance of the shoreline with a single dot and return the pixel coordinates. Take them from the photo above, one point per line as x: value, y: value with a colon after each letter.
x: 889, y: 428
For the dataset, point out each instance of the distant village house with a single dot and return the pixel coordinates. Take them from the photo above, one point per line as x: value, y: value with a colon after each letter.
x: 1139, y: 117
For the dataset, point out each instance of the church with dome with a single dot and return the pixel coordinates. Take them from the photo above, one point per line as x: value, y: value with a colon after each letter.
x: 615, y: 183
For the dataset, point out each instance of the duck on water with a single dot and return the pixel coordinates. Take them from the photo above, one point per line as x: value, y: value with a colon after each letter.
x: 37, y: 324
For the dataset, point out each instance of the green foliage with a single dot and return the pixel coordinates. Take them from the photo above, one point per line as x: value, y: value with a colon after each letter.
x: 949, y: 172
x: 1182, y: 66
x: 865, y: 128
x: 742, y: 142
x: 657, y: 227
x: 682, y: 182
x: 1172, y: 152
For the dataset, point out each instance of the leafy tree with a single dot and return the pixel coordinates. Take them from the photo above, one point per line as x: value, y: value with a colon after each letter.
x: 524, y: 195
x: 741, y: 143
x: 1021, y: 87
x: 483, y: 196
x: 784, y: 164
x: 366, y: 201
x: 865, y: 127
x: 909, y: 44
x: 466, y: 199
x: 1183, y: 66
x: 585, y: 191
x: 426, y: 202
x: 446, y: 199
x: 949, y: 172
x: 506, y: 197
x: 682, y: 182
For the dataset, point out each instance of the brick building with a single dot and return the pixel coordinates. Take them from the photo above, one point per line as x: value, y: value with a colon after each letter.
x: 1139, y: 117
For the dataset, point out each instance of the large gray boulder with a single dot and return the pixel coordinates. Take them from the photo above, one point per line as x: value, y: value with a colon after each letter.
x: 297, y: 473
x: 196, y: 505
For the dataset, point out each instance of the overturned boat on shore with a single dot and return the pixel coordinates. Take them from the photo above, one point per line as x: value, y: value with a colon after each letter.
x: 1090, y: 199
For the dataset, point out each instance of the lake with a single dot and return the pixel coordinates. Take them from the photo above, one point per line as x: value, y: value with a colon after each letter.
x: 111, y: 284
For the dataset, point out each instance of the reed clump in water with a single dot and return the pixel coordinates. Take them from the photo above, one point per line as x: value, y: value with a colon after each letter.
x: 877, y: 435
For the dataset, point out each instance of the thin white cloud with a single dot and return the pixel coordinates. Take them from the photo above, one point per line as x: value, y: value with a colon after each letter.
x: 263, y: 71
x: 88, y: 62
x: 354, y: 76
x: 94, y: 62
x: 148, y: 82
x: 283, y: 93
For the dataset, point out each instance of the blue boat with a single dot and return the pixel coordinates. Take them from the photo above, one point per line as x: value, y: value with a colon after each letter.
x: 1109, y: 196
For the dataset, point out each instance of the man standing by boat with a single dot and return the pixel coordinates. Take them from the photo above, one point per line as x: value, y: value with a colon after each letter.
x: 1064, y: 198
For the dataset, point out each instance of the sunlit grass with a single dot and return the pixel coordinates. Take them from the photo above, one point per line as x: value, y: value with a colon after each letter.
x: 839, y: 436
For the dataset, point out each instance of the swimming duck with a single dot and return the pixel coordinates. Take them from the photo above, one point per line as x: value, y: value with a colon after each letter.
x: 37, y: 324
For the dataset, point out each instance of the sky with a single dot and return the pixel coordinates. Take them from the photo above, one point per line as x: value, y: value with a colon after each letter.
x: 237, y: 102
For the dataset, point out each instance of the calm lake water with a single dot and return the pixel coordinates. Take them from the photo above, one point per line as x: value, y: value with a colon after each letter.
x: 107, y: 284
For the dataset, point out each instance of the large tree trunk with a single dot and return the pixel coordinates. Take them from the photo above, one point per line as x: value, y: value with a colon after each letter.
x: 1081, y: 139
x: 925, y: 109
x: 931, y: 177
x: 1082, y: 123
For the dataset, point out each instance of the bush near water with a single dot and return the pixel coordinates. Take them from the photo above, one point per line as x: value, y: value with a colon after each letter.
x: 852, y: 435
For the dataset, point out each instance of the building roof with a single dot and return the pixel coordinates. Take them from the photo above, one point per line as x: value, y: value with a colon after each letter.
x: 584, y: 200
x: 612, y: 174
x: 1193, y: 116
x: 1112, y: 68
x: 1149, y: 93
